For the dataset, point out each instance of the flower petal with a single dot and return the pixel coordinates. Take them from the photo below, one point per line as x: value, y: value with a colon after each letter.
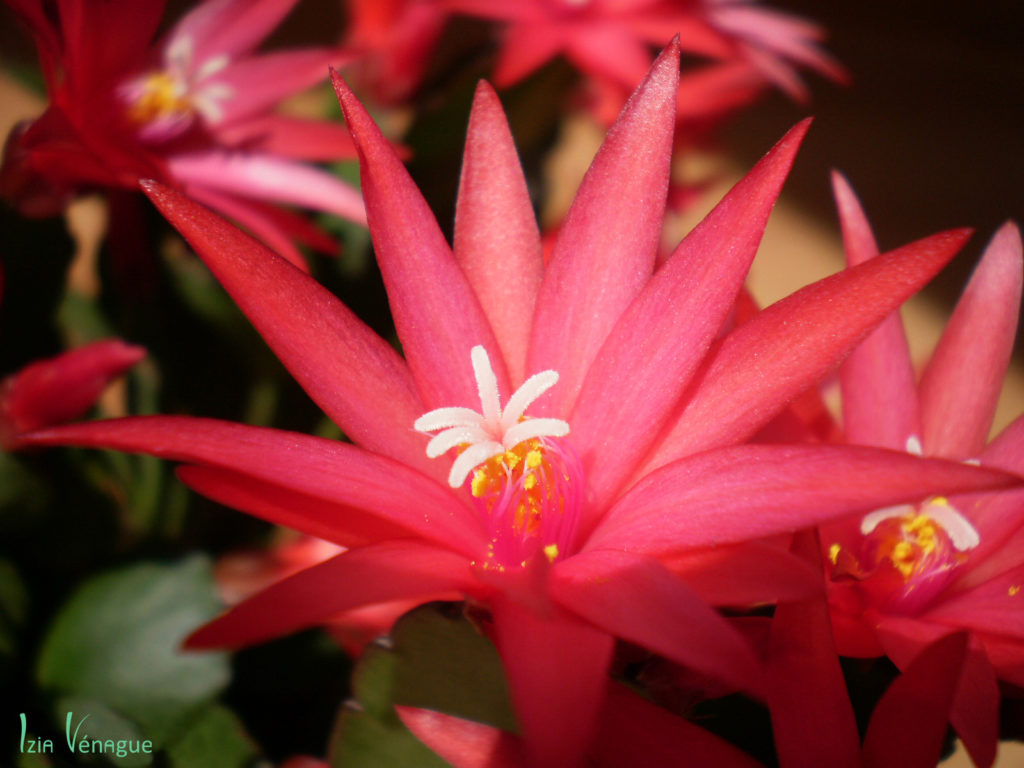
x: 325, y: 469
x: 463, y: 743
x: 879, y: 391
x: 645, y: 364
x: 995, y: 606
x: 961, y: 385
x: 497, y: 242
x: 792, y: 344
x: 557, y: 670
x: 751, y: 491
x: 636, y: 598
x: 437, y: 315
x: 606, y: 248
x: 378, y: 573
x: 349, y: 371
x: 228, y: 27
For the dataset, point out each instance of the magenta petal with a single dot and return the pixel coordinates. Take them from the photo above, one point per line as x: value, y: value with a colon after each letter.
x: 349, y: 371
x: 557, y: 670
x: 463, y: 743
x: 497, y: 242
x: 996, y: 606
x: 635, y: 733
x: 908, y: 726
x: 292, y: 137
x: 644, y: 366
x: 879, y: 391
x: 791, y: 345
x: 228, y: 27
x: 325, y: 469
x: 961, y: 385
x: 606, y: 248
x: 333, y: 521
x: 379, y: 573
x: 812, y: 718
x: 437, y: 315
x: 527, y: 47
x: 636, y: 598
x: 751, y: 491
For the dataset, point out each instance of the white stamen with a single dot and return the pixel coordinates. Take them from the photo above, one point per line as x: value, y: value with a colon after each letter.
x: 914, y: 445
x: 493, y: 431
x: 963, y: 535
x: 872, y: 520
x: 212, y: 66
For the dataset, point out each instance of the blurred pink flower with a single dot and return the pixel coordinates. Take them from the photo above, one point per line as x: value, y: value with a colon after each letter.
x: 565, y: 523
x: 61, y: 388
x: 903, y: 576
x: 194, y: 109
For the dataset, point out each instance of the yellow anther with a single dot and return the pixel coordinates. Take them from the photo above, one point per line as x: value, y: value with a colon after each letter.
x: 480, y: 483
x: 1013, y: 590
x: 833, y: 553
x: 160, y: 97
x: 511, y: 459
x: 551, y: 552
x: 530, y: 482
x: 939, y: 501
x: 534, y: 459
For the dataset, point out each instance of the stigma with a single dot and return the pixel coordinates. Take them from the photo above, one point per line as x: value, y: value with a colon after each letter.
x: 524, y: 480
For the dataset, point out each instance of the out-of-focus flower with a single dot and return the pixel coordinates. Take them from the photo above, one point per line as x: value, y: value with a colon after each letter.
x: 392, y: 41
x: 193, y: 109
x: 610, y: 41
x: 62, y: 388
x: 903, y: 576
x: 560, y: 512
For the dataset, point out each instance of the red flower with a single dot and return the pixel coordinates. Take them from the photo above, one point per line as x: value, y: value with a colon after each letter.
x: 573, y: 536
x: 903, y: 576
x: 183, y: 110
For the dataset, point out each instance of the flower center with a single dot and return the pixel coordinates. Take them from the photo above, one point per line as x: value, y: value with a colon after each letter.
x: 908, y: 554
x: 160, y: 97
x: 525, y: 482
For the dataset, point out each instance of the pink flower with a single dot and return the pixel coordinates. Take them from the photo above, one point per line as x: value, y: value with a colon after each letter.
x: 903, y: 576
x: 61, y: 388
x: 608, y: 374
x: 610, y: 40
x: 183, y: 110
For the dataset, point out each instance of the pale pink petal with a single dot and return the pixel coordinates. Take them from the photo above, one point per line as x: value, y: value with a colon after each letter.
x: 325, y: 519
x: 961, y: 385
x: 325, y: 469
x: 497, y: 242
x: 751, y: 491
x: 265, y: 177
x: 606, y: 248
x: 609, y: 50
x: 908, y: 725
x: 792, y: 344
x: 378, y: 573
x: 812, y: 719
x: 349, y: 371
x: 557, y: 670
x: 437, y: 315
x: 877, y: 379
x: 228, y: 27
x: 638, y: 599
x: 463, y: 743
x: 643, y: 368
x: 291, y: 137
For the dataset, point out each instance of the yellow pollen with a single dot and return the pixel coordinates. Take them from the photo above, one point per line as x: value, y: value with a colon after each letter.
x: 160, y: 97
x: 511, y: 459
x: 1013, y: 590
x: 530, y: 482
x: 903, y: 557
x: 833, y: 553
x: 534, y: 459
x: 480, y: 483
x: 551, y: 552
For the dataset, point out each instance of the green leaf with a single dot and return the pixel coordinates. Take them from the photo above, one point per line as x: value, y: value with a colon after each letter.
x: 117, y: 640
x: 214, y: 738
x: 435, y: 659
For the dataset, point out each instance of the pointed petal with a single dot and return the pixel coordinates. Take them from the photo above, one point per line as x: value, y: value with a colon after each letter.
x: 329, y: 520
x: 526, y: 48
x: 606, y: 248
x: 994, y: 606
x: 228, y: 27
x: 325, y: 469
x: 557, y: 670
x: 437, y: 315
x: 349, y: 371
x: 792, y: 344
x: 751, y: 491
x: 812, y: 718
x: 908, y: 726
x: 637, y: 733
x: 463, y: 743
x: 638, y: 599
x: 644, y: 366
x: 877, y: 379
x: 961, y: 385
x: 609, y: 50
x: 265, y: 177
x: 291, y: 137
x: 497, y: 242
x: 379, y: 573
